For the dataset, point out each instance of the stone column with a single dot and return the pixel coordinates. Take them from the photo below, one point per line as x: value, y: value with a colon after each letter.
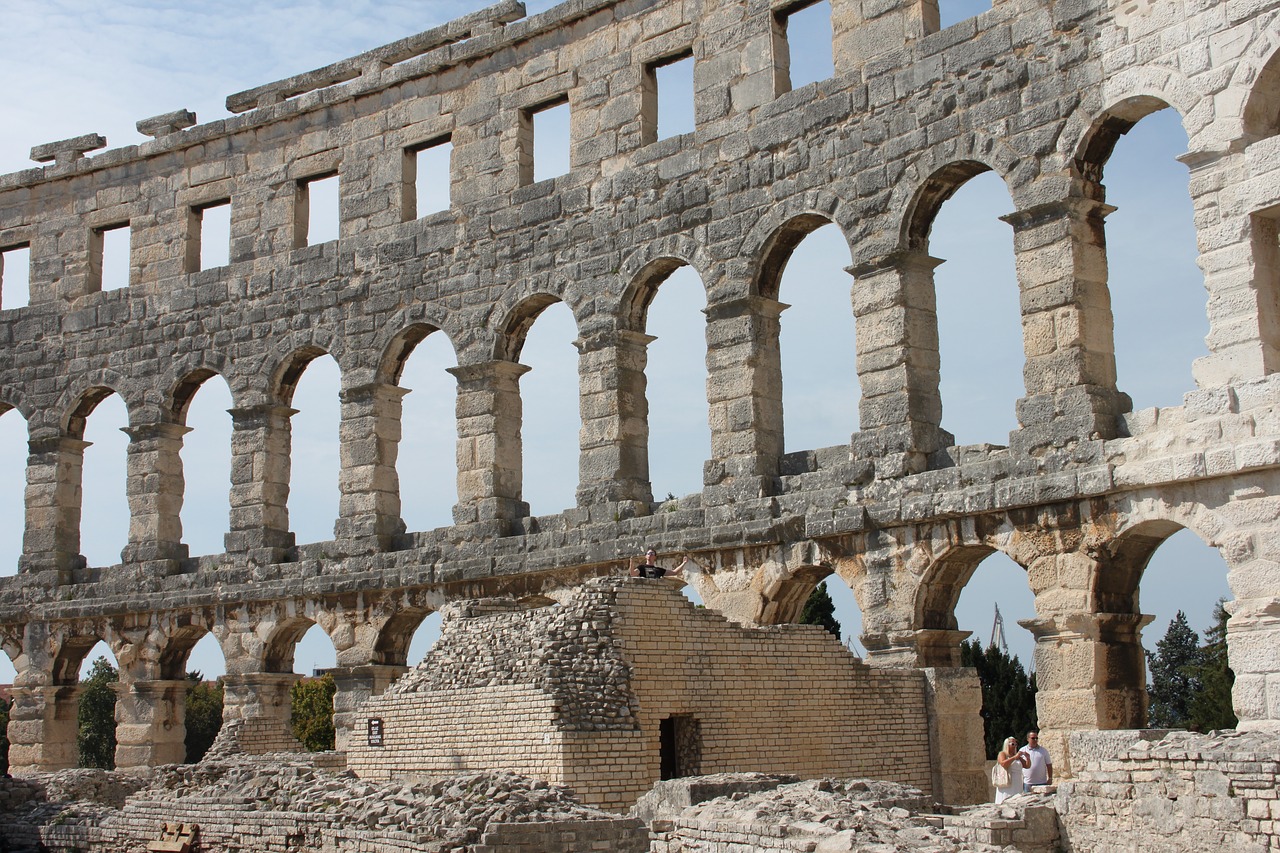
x: 956, y: 736
x: 260, y: 444
x: 1067, y: 328
x: 614, y: 442
x: 258, y: 703
x: 369, y: 435
x: 1091, y: 673
x: 744, y: 396
x: 354, y: 685
x: 490, y: 465
x: 150, y: 722
x: 900, y: 412
x: 155, y: 487
x: 1253, y: 651
x: 51, y: 541
x: 43, y: 729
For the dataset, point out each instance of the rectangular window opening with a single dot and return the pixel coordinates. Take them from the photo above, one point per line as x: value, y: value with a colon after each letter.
x: 316, y: 215
x: 109, y: 256
x: 211, y: 236
x: 428, y: 178
x: 680, y: 742
x: 668, y: 108
x: 544, y: 141
x: 15, y: 276
x: 803, y: 52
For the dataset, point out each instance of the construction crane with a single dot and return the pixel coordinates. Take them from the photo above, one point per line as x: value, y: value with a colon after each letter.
x: 997, y: 633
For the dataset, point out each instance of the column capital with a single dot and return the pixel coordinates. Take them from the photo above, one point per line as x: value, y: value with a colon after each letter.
x: 903, y: 260
x: 1074, y: 207
x: 497, y: 369
x: 620, y: 338
x: 743, y: 306
x: 248, y: 417
x: 372, y: 391
x: 57, y: 444
x: 153, y: 431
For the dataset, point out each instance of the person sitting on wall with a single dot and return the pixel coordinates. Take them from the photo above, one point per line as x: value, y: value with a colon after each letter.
x: 650, y: 568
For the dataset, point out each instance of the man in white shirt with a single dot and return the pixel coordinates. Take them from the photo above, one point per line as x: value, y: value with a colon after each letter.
x: 1040, y: 769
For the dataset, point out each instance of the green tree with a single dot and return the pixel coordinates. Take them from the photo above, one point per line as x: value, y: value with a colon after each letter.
x: 204, y: 715
x: 819, y: 609
x: 1211, y: 707
x: 97, y: 717
x: 1175, y: 680
x: 5, y: 705
x: 311, y: 700
x: 1008, y: 694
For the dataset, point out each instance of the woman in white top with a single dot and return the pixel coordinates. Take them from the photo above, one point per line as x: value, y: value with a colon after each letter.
x: 1013, y: 761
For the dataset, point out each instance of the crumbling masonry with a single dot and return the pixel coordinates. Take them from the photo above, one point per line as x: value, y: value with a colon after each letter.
x: 1037, y: 91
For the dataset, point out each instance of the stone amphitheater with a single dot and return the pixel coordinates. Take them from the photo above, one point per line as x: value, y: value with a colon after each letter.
x: 1036, y: 91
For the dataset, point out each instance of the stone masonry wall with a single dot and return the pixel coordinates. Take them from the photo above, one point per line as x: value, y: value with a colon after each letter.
x: 1080, y: 494
x: 782, y: 699
x: 1186, y: 792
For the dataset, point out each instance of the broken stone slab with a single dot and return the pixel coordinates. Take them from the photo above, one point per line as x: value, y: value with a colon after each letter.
x: 68, y: 150
x: 167, y: 123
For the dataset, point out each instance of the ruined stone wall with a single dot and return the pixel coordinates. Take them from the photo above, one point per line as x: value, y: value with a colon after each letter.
x: 1185, y: 792
x: 1036, y: 91
x: 781, y: 699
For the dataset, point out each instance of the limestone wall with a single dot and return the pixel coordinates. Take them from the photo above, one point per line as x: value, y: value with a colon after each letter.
x: 782, y: 699
x: 1184, y: 793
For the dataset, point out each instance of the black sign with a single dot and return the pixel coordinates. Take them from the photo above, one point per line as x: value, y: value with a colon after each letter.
x: 375, y: 731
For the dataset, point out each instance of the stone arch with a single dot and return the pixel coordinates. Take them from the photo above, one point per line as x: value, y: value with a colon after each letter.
x: 72, y: 648
x: 1098, y: 139
x: 785, y: 603
x: 775, y: 235
x: 283, y: 641
x: 186, y: 377
x: 929, y: 197
x: 177, y: 645
x: 514, y: 314
x: 1261, y: 112
x: 405, y: 335
x: 78, y: 403
x: 13, y: 398
x: 645, y: 269
x: 392, y: 645
x: 290, y: 361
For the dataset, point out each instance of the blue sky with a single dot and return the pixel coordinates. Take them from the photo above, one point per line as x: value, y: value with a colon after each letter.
x: 73, y: 67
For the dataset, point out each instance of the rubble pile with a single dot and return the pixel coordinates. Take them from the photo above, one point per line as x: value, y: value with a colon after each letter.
x: 826, y: 816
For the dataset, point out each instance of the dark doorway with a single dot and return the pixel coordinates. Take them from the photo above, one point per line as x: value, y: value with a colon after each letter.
x: 681, y: 747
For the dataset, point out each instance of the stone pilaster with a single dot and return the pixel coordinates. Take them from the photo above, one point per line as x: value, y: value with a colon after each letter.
x: 900, y: 413
x: 1253, y: 652
x: 155, y: 488
x: 43, y: 728
x: 1067, y: 327
x: 614, y: 443
x: 490, y: 463
x: 354, y: 685
x: 51, y: 541
x: 259, y: 704
x: 260, y: 447
x: 1091, y: 673
x: 150, y: 723
x: 744, y: 397
x: 369, y: 504
x: 953, y: 696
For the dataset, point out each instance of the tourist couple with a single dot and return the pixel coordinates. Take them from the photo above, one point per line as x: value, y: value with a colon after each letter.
x: 1033, y: 759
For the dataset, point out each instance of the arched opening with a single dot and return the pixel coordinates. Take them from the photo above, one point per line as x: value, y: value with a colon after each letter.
x: 13, y: 474
x: 1262, y: 111
x: 311, y: 386
x: 1158, y: 297
x: 551, y: 419
x: 427, y: 459
x: 194, y: 655
x: 301, y: 646
x: 805, y: 267
x: 1167, y: 572
x: 980, y: 592
x: 1262, y: 122
x: 203, y: 404
x: 104, y: 518
x: 676, y: 382
x: 95, y: 697
x: 980, y: 351
x: 424, y: 638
